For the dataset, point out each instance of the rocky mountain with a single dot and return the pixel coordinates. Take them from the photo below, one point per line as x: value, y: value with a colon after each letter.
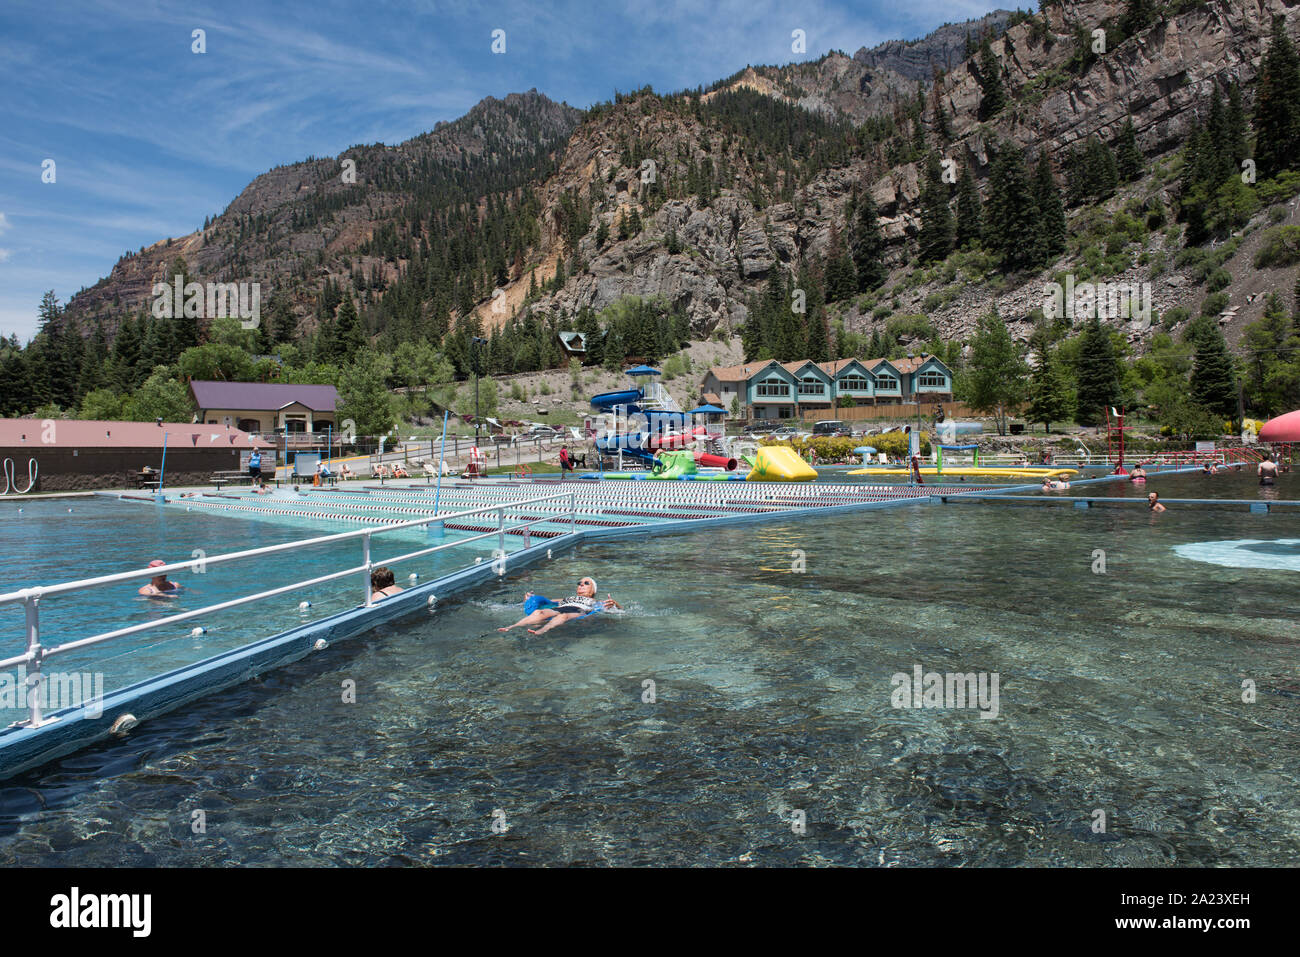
x: 943, y: 49
x: 725, y: 187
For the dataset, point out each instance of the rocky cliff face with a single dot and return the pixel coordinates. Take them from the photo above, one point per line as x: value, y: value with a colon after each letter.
x: 296, y: 224
x: 1161, y: 78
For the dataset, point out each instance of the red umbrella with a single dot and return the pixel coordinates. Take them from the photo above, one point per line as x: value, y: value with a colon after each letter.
x: 1284, y: 428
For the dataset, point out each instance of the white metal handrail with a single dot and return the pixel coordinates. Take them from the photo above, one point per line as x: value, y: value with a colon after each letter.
x: 35, y: 655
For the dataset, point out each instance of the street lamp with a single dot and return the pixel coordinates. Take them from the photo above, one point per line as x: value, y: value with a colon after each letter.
x: 475, y: 344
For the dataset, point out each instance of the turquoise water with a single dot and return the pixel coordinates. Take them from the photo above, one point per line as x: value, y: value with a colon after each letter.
x: 56, y: 540
x: 1119, y: 692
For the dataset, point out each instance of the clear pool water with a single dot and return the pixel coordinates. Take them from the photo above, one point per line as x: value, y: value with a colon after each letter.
x: 56, y: 540
x: 1119, y: 692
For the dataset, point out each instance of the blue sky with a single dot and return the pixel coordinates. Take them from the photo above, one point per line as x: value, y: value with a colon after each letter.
x: 149, y: 137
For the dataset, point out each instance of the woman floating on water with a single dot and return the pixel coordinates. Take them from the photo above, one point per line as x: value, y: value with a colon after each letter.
x: 538, y: 609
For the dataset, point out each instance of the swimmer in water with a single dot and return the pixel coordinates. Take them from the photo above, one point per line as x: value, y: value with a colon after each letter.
x: 159, y: 586
x: 1153, y: 502
x: 1138, y: 473
x: 382, y: 583
x: 1267, y: 470
x: 575, y: 606
x: 1054, y: 485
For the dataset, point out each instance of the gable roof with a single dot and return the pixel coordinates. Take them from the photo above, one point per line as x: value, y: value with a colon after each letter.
x: 742, y: 372
x: 262, y: 396
x: 794, y: 368
x: 108, y: 434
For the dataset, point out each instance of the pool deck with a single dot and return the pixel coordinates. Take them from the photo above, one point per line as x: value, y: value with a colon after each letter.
x: 605, y: 512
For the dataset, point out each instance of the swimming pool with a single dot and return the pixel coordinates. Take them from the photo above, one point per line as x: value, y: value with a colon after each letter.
x: 1120, y: 691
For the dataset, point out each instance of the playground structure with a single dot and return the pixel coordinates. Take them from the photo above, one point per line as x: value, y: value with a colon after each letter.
x: 643, y: 426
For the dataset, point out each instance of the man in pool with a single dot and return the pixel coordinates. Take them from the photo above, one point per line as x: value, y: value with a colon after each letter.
x: 1138, y: 473
x: 575, y: 606
x: 1153, y: 502
x: 1267, y: 470
x: 159, y: 586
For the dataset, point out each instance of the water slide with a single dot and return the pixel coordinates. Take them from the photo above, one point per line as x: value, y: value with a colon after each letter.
x: 606, y: 401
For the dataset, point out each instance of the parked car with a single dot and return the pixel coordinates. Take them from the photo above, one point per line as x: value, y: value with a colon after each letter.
x: 830, y: 427
x: 542, y: 432
x: 784, y: 432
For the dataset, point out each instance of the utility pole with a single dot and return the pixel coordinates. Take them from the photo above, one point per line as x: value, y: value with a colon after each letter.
x: 475, y: 345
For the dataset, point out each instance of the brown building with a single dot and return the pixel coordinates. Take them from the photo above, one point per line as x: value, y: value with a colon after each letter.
x: 69, y: 454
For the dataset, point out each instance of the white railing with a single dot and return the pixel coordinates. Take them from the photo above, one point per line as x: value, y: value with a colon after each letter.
x: 31, y: 598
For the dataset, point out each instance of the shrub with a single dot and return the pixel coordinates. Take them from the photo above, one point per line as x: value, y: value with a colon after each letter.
x: 1219, y: 279
x: 1280, y: 188
x: 1214, y: 304
x: 1174, y: 316
x: 895, y: 443
x: 1281, y: 248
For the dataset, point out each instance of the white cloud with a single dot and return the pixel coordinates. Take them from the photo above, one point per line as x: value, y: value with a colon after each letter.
x: 4, y: 253
x: 4, y: 224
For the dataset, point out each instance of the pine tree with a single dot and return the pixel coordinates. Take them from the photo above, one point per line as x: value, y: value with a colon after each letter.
x: 994, y: 99
x: 841, y: 282
x: 1097, y: 374
x: 1049, y: 391
x: 817, y: 341
x: 351, y: 335
x: 1277, y: 119
x: 1213, y: 383
x: 1050, y: 231
x: 1128, y: 158
x: 970, y: 219
x: 1009, y: 213
x: 942, y: 125
x: 937, y: 232
x: 1236, y: 133
x: 868, y: 246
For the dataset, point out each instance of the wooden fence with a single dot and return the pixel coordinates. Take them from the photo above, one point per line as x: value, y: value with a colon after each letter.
x: 904, y: 412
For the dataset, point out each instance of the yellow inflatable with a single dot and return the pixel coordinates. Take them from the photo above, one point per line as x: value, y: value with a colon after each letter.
x: 779, y: 463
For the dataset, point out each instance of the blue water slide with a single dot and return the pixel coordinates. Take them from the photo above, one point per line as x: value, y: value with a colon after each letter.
x: 607, y: 400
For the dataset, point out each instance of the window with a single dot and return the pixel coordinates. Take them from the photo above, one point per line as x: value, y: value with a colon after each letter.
x: 250, y: 425
x: 935, y: 380
x: 811, y: 387
x: 773, y: 387
x: 886, y: 382
x: 784, y: 413
x: 854, y: 383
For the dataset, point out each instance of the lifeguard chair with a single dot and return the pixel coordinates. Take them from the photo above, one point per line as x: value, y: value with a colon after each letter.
x: 477, y: 467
